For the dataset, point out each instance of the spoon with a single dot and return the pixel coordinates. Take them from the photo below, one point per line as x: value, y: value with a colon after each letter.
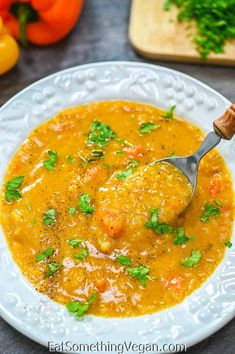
x: 224, y: 127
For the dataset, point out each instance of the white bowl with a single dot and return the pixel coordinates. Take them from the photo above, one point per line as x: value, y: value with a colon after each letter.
x: 203, y: 312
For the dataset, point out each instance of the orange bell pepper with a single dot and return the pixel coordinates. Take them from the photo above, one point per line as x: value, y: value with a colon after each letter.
x: 41, y: 22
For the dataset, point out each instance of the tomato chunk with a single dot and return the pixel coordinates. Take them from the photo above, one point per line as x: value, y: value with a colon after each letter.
x: 112, y: 221
x: 134, y: 152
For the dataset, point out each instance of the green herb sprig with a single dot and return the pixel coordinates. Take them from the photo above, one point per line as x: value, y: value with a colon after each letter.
x: 45, y: 254
x: 170, y: 113
x: 193, y: 260
x: 12, y: 192
x: 100, y: 134
x: 212, y: 209
x: 78, y: 309
x: 148, y: 127
x: 156, y: 226
x: 181, y: 238
x: 214, y: 22
x: 84, y: 204
x: 49, y: 217
x: 50, y: 164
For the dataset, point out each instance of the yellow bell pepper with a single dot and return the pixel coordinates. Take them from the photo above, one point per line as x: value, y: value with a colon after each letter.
x: 9, y: 49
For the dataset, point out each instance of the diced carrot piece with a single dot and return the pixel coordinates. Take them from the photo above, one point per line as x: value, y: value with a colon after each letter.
x: 126, y: 108
x: 16, y: 166
x: 215, y: 185
x: 134, y: 152
x: 62, y: 126
x: 112, y: 221
x: 93, y: 173
x: 101, y: 285
x: 174, y: 283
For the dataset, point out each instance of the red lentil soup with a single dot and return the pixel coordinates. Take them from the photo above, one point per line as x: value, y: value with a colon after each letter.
x: 94, y: 227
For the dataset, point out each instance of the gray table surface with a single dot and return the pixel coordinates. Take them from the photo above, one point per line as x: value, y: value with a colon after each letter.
x: 101, y: 35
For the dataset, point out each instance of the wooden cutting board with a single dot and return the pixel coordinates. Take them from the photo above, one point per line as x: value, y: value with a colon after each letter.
x: 157, y: 34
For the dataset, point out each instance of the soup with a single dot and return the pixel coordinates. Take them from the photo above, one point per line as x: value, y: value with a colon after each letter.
x: 93, y: 226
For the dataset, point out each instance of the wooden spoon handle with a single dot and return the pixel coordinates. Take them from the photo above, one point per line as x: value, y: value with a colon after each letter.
x: 225, y: 125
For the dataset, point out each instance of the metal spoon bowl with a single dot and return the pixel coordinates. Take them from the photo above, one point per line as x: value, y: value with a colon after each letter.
x: 224, y: 127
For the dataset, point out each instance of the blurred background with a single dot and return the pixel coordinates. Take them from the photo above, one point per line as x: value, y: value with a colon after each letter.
x: 101, y: 34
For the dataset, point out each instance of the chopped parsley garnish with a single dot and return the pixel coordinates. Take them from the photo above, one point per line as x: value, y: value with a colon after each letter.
x: 122, y: 175
x: 209, y: 210
x: 72, y: 210
x: 124, y: 260
x: 98, y: 153
x: 45, y: 254
x: 107, y: 165
x: 100, y: 134
x: 94, y: 156
x: 156, y: 226
x: 228, y: 244
x: 75, y: 243
x: 82, y: 255
x: 123, y: 141
x: 173, y: 154
x: 49, y: 217
x: 214, y: 21
x: 181, y: 238
x: 70, y: 159
x: 141, y: 273
x: 169, y: 114
x: 84, y: 204
x: 119, y: 152
x: 79, y: 309
x: 147, y: 127
x: 133, y: 163
x: 12, y: 192
x: 53, y: 268
x: 51, y: 162
x: 193, y: 260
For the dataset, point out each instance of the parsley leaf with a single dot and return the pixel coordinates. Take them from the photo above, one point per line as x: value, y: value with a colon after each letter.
x: 14, y: 183
x: 100, y: 134
x: 133, y: 163
x: 123, y: 141
x: 74, y: 243
x: 158, y: 228
x: 12, y: 193
x: 45, y: 254
x: 70, y: 159
x: 79, y: 309
x: 84, y: 204
x: 228, y: 244
x: 107, y: 165
x: 181, y: 238
x: 119, y: 152
x: 97, y: 153
x: 209, y: 210
x: 124, y: 260
x: 169, y: 114
x: 82, y: 255
x: 72, y: 210
x: 53, y: 268
x: 141, y: 273
x: 214, y: 21
x: 193, y: 260
x: 51, y: 162
x: 122, y: 175
x: 49, y: 217
x: 147, y: 127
